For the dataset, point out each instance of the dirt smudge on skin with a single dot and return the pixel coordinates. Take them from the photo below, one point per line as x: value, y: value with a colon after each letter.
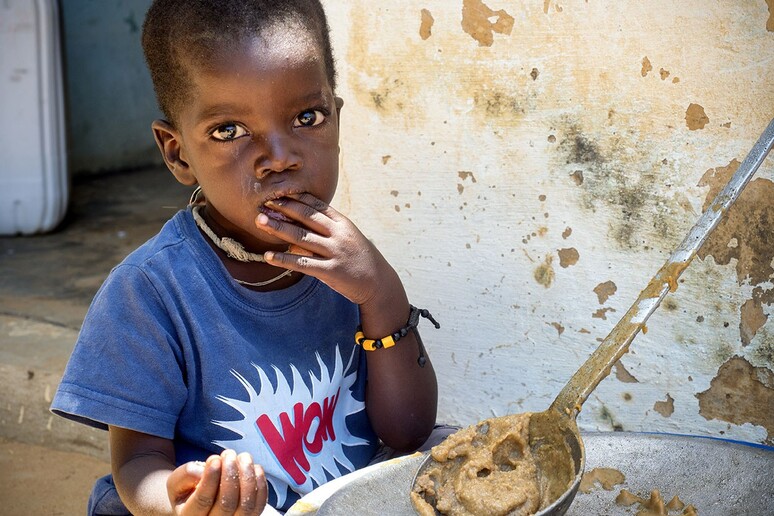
x: 744, y: 235
x: 476, y: 21
x: 695, y: 117
x: 568, y: 257
x: 665, y: 408
x: 544, y: 274
x: 604, y: 291
x: 740, y: 393
x: 426, y: 25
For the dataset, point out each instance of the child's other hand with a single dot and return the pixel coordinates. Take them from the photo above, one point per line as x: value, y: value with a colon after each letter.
x: 327, y: 245
x: 225, y: 484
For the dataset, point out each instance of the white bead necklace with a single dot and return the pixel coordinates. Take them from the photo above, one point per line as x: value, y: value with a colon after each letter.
x: 235, y: 250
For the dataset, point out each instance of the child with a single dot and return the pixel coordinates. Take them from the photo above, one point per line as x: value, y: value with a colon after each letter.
x: 251, y: 340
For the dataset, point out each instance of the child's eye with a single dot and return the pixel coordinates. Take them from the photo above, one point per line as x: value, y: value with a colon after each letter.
x: 309, y: 118
x: 228, y: 132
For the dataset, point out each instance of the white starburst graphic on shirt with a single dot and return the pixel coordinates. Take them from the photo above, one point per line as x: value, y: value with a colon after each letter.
x: 297, y: 445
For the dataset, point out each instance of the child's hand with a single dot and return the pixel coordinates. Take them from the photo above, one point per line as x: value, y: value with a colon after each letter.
x: 225, y: 484
x: 327, y: 245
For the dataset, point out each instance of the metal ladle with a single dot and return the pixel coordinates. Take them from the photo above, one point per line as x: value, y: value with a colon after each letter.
x: 553, y: 434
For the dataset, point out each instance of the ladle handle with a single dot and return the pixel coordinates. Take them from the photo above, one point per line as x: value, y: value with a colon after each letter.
x: 598, y: 365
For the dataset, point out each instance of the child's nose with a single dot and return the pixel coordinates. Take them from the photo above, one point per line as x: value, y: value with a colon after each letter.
x: 277, y: 154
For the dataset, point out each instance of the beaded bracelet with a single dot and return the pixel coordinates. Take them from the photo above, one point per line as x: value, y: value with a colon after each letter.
x: 390, y: 340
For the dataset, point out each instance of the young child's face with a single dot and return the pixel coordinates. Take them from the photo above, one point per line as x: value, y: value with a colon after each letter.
x: 261, y: 123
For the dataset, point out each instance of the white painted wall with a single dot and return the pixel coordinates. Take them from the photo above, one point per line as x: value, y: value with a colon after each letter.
x: 460, y: 159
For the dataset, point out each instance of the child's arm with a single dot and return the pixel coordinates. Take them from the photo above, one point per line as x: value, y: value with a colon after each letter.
x: 401, y: 396
x: 149, y: 483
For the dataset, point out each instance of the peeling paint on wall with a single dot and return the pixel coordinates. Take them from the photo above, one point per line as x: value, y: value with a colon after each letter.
x: 426, y: 24
x: 544, y: 274
x: 623, y: 375
x: 604, y: 291
x: 498, y: 128
x: 646, y: 66
x: 568, y: 257
x: 695, y: 117
x: 750, y: 244
x: 770, y: 21
x: 741, y: 393
x: 665, y: 408
x: 476, y: 21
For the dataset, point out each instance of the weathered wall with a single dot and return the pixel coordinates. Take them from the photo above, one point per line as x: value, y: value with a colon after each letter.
x: 528, y: 166
x: 109, y: 95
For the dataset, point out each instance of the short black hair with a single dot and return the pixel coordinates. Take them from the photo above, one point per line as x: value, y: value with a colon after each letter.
x: 178, y: 29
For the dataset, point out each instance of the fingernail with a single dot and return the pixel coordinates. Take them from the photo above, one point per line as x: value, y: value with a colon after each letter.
x: 245, y: 459
x: 263, y: 220
x: 195, y: 468
x: 268, y: 255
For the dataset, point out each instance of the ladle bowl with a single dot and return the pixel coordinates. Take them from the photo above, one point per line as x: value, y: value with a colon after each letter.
x: 554, y: 438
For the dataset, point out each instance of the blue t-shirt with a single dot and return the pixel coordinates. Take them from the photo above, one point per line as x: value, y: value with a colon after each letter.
x: 172, y: 346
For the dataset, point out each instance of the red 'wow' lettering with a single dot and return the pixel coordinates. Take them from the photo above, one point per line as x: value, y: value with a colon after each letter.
x: 291, y: 443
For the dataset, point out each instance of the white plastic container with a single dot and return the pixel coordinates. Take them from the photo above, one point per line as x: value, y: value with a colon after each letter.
x: 34, y: 183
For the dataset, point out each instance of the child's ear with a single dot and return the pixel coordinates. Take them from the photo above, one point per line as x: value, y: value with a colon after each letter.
x: 168, y: 139
x: 339, y: 104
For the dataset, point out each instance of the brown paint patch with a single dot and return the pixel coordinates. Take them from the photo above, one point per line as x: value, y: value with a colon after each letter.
x: 741, y: 393
x: 394, y: 193
x: 567, y: 232
x: 544, y: 274
x: 559, y: 327
x: 665, y: 408
x: 663, y: 73
x: 695, y: 117
x: 770, y: 21
x: 752, y: 320
x: 748, y: 223
x: 744, y: 235
x: 646, y: 66
x: 604, y: 291
x: 577, y: 176
x: 534, y: 74
x: 541, y: 198
x: 568, y: 257
x: 426, y: 24
x: 623, y: 375
x: 606, y: 478
x: 602, y: 313
x: 465, y: 175
x: 385, y: 159
x: 476, y: 22
x: 551, y: 138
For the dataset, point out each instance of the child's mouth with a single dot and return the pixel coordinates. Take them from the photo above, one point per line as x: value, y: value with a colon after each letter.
x: 272, y: 213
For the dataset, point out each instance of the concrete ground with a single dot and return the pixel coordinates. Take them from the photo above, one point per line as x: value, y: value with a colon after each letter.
x: 48, y: 464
